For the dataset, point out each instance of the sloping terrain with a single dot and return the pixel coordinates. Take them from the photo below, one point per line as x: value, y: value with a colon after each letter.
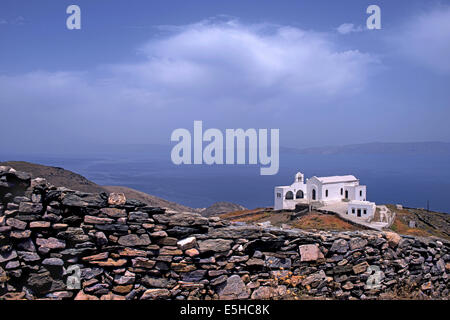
x: 219, y: 208
x: 65, y: 178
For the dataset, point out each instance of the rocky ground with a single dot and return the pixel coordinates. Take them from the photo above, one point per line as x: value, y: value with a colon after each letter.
x: 57, y: 243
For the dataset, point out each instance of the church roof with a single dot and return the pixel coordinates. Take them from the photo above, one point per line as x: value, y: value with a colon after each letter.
x: 337, y: 179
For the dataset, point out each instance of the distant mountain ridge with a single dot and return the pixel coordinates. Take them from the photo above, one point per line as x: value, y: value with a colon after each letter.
x: 393, y: 148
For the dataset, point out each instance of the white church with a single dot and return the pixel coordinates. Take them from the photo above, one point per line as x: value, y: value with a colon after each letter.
x: 322, y: 191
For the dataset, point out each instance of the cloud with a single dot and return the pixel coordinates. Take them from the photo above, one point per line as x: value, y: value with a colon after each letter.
x: 347, y: 28
x: 425, y: 39
x: 199, y: 70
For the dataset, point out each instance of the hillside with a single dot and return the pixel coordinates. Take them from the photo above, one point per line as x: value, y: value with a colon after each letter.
x: 219, y: 208
x: 65, y: 178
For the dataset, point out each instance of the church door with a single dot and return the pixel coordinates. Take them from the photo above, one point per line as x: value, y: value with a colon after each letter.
x: 314, y: 194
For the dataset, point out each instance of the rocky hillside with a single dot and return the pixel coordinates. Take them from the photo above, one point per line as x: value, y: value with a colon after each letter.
x: 57, y: 243
x: 219, y: 208
x: 64, y: 178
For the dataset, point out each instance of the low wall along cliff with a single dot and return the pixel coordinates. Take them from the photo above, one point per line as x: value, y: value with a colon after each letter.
x: 57, y: 243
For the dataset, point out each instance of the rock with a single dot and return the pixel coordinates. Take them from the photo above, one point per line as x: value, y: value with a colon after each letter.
x: 83, y: 296
x: 129, y: 252
x: 17, y: 224
x: 97, y: 220
x: 264, y: 293
x: 348, y: 286
x: 233, y: 289
x: 360, y: 268
x: 51, y: 243
x: 194, y: 276
x: 278, y: 263
x: 30, y: 207
x: 181, y: 219
x: 214, y: 245
x: 39, y: 224
x: 254, y: 262
x: 117, y: 199
x: 192, y: 252
x: 54, y: 262
x: 187, y: 243
x: 98, y: 256
x: 7, y: 256
x: 114, y: 212
x: 154, y: 294
x: 357, y: 243
x: 20, y: 234
x: 100, y: 238
x: 392, y: 238
x: 339, y: 245
x: 133, y: 240
x: 110, y: 263
x: 427, y: 286
x: 141, y: 262
x: 112, y: 296
x: 314, y: 278
x: 29, y: 256
x: 80, y: 199
x: 310, y: 252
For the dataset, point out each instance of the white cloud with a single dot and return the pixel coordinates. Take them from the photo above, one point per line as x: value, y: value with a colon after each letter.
x: 347, y: 28
x: 208, y: 68
x: 426, y: 39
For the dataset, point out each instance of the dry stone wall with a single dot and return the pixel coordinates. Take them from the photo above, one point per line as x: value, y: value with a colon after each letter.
x: 57, y: 243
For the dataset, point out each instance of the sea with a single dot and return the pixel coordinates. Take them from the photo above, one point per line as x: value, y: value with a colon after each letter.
x: 418, y: 181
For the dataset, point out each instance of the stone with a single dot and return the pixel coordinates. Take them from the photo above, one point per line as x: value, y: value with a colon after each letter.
x: 54, y: 262
x: 194, y: 276
x: 110, y: 263
x: 129, y: 252
x: 51, y: 243
x: 214, y: 245
x: 264, y: 293
x: 360, y: 268
x: 7, y: 256
x: 30, y: 207
x: 158, y: 234
x: 310, y: 252
x: 83, y: 296
x: 29, y: 256
x: 112, y: 296
x: 98, y: 256
x: 357, y: 243
x: 100, y: 238
x: 39, y: 224
x: 170, y: 251
x: 234, y: 288
x: 133, y: 240
x: 314, y: 278
x: 278, y: 263
x: 339, y: 245
x: 97, y: 220
x: 181, y: 219
x: 254, y: 262
x: 392, y: 238
x: 187, y: 243
x: 192, y: 252
x: 17, y: 224
x: 114, y: 212
x: 117, y: 199
x: 145, y: 263
x: 154, y: 294
x: 20, y: 234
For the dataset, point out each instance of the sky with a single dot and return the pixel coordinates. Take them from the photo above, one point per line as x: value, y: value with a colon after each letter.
x: 137, y: 70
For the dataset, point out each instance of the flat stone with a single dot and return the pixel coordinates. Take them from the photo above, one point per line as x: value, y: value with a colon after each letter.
x: 133, y: 240
x: 154, y: 294
x: 339, y: 245
x: 117, y: 199
x: 51, y: 243
x: 187, y: 243
x: 53, y: 262
x: 310, y: 252
x: 233, y: 289
x: 392, y: 238
x: 214, y: 245
x: 357, y: 243
x: 20, y: 234
x: 99, y: 256
x: 17, y: 224
x: 97, y: 220
x: 140, y: 262
x: 7, y: 256
x: 110, y: 263
x: 360, y: 268
x: 192, y: 252
x: 114, y: 212
x: 129, y: 252
x: 39, y: 224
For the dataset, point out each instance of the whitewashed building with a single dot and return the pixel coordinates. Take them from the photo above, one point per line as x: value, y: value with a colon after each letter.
x: 325, y: 190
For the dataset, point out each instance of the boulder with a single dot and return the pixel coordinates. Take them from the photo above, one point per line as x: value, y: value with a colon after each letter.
x: 310, y: 252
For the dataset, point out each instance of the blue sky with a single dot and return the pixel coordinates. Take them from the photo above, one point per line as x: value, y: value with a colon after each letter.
x: 137, y: 70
